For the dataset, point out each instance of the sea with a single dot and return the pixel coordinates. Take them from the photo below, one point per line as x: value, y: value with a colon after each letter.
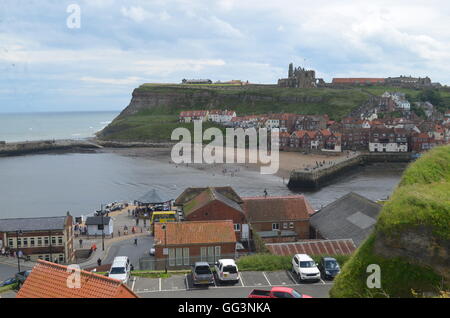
x: 51, y: 184
x: 56, y: 125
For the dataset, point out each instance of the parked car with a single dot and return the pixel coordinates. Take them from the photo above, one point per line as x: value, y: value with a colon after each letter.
x: 277, y: 292
x: 120, y: 269
x: 305, y: 268
x: 329, y: 268
x: 22, y: 276
x: 227, y: 271
x: 202, y: 274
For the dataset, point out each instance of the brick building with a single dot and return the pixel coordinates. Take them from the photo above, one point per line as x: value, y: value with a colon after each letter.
x: 279, y: 219
x: 45, y: 238
x: 215, y: 204
x: 190, y: 242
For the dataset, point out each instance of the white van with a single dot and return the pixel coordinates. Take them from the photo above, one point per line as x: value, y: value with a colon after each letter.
x: 227, y: 271
x: 120, y: 269
x: 305, y: 268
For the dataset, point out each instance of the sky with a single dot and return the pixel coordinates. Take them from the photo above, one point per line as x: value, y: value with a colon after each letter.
x: 48, y: 63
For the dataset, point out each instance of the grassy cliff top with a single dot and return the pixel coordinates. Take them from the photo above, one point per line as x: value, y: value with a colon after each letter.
x: 421, y: 201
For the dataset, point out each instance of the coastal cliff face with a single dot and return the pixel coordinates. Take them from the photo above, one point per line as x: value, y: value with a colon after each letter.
x: 173, y: 99
x: 155, y: 107
x: 411, y: 241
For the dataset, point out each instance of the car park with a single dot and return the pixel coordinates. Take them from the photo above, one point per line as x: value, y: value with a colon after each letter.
x: 329, y: 268
x: 227, y: 271
x: 202, y: 274
x: 305, y: 268
x: 120, y: 269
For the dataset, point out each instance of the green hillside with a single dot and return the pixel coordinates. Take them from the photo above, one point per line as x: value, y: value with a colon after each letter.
x: 412, y: 237
x: 154, y: 108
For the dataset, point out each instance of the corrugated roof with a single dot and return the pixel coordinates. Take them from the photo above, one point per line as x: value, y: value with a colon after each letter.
x: 314, y: 247
x: 197, y: 232
x: 49, y: 280
x: 33, y: 224
x: 264, y: 209
x: 350, y: 217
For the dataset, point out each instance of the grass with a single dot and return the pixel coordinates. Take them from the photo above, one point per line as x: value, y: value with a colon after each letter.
x: 271, y: 262
x: 421, y: 201
x: 7, y: 288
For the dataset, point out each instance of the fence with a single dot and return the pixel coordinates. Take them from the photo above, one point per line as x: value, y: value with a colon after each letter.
x: 174, y: 263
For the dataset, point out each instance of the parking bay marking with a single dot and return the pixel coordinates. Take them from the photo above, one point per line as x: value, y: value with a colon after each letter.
x: 265, y: 276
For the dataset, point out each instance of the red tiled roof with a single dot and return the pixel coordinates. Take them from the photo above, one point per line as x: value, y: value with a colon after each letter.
x: 198, y: 232
x: 264, y: 209
x: 314, y: 247
x: 49, y: 280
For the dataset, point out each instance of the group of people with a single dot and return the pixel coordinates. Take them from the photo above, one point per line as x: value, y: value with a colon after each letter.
x: 11, y: 253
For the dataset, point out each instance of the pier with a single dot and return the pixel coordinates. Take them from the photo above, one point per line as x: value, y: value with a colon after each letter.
x: 29, y: 147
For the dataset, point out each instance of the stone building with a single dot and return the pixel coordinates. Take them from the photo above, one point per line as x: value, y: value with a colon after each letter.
x: 299, y: 77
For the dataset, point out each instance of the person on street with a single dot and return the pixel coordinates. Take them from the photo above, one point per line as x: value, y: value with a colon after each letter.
x: 81, y: 243
x: 99, y: 262
x: 135, y: 241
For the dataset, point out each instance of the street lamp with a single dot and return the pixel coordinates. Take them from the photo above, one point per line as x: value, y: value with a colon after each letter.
x: 17, y: 249
x: 165, y: 246
x: 103, y: 229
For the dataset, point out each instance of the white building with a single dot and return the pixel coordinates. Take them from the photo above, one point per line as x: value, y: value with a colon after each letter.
x: 96, y: 225
x: 221, y: 116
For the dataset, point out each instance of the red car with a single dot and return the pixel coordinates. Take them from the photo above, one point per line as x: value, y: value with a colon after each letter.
x: 277, y: 292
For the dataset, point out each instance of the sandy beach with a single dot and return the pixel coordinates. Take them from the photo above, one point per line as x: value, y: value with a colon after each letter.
x: 288, y: 161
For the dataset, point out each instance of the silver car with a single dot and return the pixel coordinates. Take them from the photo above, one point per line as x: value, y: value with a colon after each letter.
x: 202, y: 274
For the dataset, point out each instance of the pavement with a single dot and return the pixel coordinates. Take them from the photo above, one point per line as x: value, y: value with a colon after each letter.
x: 180, y: 286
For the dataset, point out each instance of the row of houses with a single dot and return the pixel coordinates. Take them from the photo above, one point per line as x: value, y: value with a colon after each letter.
x: 323, y: 140
x: 219, y: 223
x: 215, y: 115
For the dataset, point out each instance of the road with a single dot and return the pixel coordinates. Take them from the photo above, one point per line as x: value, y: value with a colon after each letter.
x: 127, y: 248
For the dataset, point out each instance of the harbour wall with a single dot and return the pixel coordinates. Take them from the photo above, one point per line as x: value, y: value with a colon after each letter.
x: 30, y: 147
x: 314, y: 179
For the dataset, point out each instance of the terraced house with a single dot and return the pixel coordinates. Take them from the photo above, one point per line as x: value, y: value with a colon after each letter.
x: 45, y: 238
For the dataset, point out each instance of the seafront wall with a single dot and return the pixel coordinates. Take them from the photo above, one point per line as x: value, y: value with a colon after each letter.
x: 314, y: 179
x: 30, y: 147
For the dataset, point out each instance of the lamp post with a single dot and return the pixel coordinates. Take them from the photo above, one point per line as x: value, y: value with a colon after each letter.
x: 17, y: 249
x: 51, y: 245
x: 165, y: 246
x: 103, y: 229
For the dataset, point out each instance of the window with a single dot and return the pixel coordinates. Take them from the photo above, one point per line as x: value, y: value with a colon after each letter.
x: 217, y: 252
x: 60, y: 240
x: 32, y: 242
x: 179, y: 256
x: 275, y: 226
x: 171, y: 257
x: 61, y: 258
x: 53, y: 240
x: 47, y: 258
x: 25, y: 242
x: 39, y: 241
x: 285, y: 225
x: 210, y: 254
x: 10, y: 242
x: 46, y: 241
x: 237, y: 227
x: 40, y: 257
x: 186, y: 256
x: 100, y: 227
x: 19, y: 242
x: 291, y: 225
x: 203, y: 253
